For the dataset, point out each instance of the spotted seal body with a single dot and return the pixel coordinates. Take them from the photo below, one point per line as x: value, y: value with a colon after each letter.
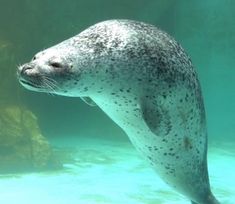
x: 142, y: 78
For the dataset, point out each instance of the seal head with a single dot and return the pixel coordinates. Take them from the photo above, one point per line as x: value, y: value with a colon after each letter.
x: 50, y: 71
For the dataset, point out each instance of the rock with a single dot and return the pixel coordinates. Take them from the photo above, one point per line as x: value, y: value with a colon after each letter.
x: 22, y: 146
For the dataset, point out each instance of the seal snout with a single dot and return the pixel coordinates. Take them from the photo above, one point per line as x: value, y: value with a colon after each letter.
x: 23, y: 69
x: 27, y: 74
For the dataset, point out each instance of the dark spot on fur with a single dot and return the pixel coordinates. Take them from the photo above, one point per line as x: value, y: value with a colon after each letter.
x: 187, y: 143
x: 164, y: 140
x: 150, y: 158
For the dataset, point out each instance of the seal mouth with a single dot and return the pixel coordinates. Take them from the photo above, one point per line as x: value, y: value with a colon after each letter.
x: 40, y: 83
x: 29, y: 83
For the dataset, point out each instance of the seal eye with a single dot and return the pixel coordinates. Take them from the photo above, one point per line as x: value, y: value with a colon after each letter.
x: 55, y: 64
x: 34, y: 58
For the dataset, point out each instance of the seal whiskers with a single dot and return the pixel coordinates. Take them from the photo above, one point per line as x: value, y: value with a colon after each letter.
x: 49, y: 83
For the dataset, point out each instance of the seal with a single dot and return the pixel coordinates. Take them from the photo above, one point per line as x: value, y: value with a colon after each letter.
x: 145, y: 82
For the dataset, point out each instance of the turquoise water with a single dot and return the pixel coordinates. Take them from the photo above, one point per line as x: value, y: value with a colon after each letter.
x: 107, y: 172
x: 104, y: 168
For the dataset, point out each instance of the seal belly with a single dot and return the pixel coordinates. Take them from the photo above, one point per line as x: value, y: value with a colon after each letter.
x: 170, y: 136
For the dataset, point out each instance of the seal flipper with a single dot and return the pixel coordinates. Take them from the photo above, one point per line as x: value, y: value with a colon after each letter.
x: 156, y: 117
x: 209, y: 202
x: 88, y: 101
x: 210, y: 199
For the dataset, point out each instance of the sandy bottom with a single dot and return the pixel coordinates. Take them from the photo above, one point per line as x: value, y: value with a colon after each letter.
x: 104, y: 172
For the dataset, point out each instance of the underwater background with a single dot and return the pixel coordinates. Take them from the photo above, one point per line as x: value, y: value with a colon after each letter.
x: 90, y: 158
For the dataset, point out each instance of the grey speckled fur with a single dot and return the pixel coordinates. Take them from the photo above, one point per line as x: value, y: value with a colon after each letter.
x: 142, y: 78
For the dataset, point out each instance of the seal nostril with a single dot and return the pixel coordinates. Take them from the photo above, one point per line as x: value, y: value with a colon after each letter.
x: 24, y: 68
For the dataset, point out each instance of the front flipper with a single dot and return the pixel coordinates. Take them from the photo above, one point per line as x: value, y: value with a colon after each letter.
x: 156, y: 117
x: 88, y: 101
